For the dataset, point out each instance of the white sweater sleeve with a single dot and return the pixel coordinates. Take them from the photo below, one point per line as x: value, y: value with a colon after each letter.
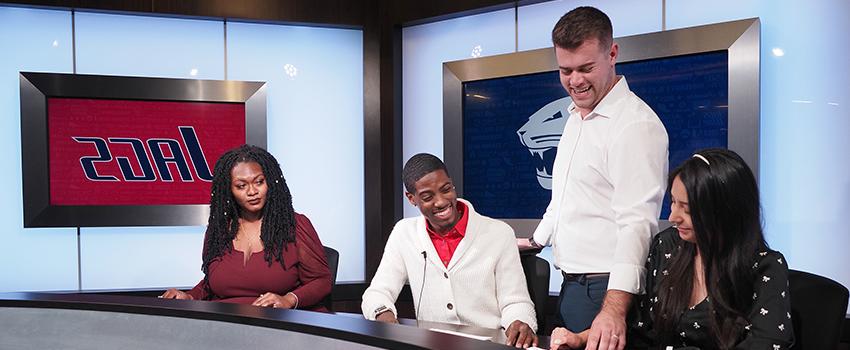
x: 388, y: 280
x: 511, y: 289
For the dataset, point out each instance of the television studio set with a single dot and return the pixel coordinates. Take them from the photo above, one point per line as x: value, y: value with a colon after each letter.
x: 453, y: 174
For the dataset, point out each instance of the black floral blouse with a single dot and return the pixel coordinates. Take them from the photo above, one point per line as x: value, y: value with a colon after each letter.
x: 770, y: 315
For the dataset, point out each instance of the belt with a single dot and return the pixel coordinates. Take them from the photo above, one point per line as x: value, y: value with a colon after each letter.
x: 579, y: 277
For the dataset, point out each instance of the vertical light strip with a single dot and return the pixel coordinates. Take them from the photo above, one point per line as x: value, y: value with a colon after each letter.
x: 74, y: 70
x: 663, y: 15
x: 516, y: 26
x: 79, y: 263
x: 74, y: 65
x: 225, y: 49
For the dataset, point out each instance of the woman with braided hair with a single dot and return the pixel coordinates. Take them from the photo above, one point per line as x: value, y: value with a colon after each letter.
x: 257, y: 249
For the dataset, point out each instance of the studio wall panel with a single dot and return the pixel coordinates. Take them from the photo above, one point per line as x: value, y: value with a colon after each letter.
x: 149, y: 46
x: 315, y: 123
x: 139, y: 257
x: 424, y: 49
x: 32, y: 259
x: 805, y: 130
x: 535, y: 22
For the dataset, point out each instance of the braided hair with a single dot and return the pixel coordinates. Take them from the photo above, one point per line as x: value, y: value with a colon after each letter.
x: 278, y: 226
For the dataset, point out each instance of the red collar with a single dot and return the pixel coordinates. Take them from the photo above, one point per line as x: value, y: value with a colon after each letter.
x: 459, y: 228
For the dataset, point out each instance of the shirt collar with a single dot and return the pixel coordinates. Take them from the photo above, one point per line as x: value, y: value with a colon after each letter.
x: 460, y: 225
x: 607, y: 107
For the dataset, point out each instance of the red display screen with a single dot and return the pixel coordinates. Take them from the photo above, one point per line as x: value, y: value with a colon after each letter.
x: 125, y: 152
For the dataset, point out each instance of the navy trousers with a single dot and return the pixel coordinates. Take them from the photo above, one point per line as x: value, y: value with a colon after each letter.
x: 580, y: 301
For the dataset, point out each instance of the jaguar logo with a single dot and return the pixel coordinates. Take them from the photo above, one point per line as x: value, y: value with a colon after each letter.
x: 541, y: 135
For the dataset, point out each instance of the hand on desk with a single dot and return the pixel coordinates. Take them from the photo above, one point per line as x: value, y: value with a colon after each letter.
x: 175, y: 294
x: 562, y: 338
x: 386, y: 316
x: 271, y: 299
x: 520, y: 335
x: 608, y: 330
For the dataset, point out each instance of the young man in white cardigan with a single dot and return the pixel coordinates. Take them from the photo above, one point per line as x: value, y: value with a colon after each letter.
x: 463, y: 267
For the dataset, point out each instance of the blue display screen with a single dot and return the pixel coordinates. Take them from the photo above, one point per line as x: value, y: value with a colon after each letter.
x: 511, y: 126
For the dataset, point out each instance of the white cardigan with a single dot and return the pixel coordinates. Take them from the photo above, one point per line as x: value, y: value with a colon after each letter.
x: 483, y: 286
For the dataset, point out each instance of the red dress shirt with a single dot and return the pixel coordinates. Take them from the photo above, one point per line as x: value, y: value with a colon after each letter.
x: 446, y: 244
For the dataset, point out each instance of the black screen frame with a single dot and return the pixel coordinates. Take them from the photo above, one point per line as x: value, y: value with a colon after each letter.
x: 37, y: 88
x: 740, y: 39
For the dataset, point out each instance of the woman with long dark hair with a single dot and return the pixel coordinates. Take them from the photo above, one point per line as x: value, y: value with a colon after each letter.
x: 257, y: 249
x: 712, y: 281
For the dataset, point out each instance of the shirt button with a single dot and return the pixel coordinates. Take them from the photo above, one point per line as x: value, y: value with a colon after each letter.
x: 449, y: 306
x: 445, y: 275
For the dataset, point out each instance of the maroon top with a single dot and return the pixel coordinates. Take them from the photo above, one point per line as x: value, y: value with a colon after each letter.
x: 305, y: 272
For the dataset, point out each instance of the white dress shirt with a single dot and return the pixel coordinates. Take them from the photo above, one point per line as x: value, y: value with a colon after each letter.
x: 608, y: 182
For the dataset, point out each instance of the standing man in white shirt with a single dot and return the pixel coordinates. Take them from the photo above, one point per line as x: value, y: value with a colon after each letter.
x: 608, y: 183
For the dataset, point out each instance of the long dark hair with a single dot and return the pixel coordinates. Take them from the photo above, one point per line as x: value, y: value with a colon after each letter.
x: 278, y: 226
x: 726, y: 216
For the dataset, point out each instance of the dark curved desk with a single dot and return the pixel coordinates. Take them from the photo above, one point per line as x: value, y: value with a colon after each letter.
x: 87, y: 321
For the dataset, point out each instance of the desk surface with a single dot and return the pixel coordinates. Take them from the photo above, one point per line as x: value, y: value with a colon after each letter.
x: 38, y: 320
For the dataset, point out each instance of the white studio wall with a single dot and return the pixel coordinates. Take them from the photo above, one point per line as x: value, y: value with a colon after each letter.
x: 805, y: 132
x: 145, y: 257
x: 535, y: 22
x: 315, y: 123
x: 315, y: 129
x: 424, y: 49
x: 33, y: 259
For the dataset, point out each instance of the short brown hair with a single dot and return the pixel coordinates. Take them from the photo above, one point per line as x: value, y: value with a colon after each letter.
x: 580, y: 24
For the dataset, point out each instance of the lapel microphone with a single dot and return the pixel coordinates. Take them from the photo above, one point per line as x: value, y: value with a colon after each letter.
x: 422, y: 287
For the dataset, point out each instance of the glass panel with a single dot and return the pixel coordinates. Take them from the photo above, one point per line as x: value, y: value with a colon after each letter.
x: 149, y: 46
x: 33, y: 259
x: 142, y: 257
x: 804, y: 124
x: 535, y: 22
x: 424, y: 49
x: 315, y: 123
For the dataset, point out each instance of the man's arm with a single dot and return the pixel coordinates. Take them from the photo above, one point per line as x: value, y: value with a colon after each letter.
x: 609, y: 326
x: 638, y: 168
x: 380, y: 297
x: 542, y: 235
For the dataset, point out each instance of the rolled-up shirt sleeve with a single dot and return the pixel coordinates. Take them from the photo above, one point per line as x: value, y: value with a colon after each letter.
x: 638, y: 167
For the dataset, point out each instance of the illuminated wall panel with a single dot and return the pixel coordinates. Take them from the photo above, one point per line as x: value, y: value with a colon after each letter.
x: 315, y: 123
x: 32, y: 259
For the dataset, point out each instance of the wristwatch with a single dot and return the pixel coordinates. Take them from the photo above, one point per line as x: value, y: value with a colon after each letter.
x: 380, y: 310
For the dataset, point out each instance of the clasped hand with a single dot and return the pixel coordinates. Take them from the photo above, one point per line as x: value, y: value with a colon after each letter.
x: 265, y: 300
x: 172, y: 293
x: 273, y: 300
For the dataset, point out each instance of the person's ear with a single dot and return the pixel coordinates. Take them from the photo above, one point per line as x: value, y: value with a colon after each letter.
x: 615, y: 51
x: 410, y: 198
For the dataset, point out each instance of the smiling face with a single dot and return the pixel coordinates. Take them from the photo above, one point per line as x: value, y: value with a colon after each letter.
x: 587, y: 72
x: 680, y: 212
x: 249, y: 188
x: 436, y: 198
